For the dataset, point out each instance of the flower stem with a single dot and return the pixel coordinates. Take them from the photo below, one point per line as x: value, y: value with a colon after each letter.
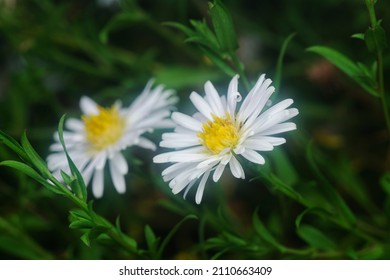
x: 379, y: 57
x: 240, y: 70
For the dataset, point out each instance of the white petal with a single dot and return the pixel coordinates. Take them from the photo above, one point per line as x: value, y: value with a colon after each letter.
x: 201, y: 105
x: 120, y: 163
x: 166, y: 157
x: 253, y: 156
x: 218, y: 172
x: 279, y: 128
x: 236, y: 168
x: 98, y: 183
x: 74, y: 124
x: 210, y: 162
x: 186, y: 121
x: 100, y: 160
x: 214, y: 99
x: 146, y: 144
x: 188, y: 188
x: 88, y: 106
x: 258, y: 145
x: 233, y: 96
x: 117, y: 178
x: 200, y: 190
x: 275, y: 141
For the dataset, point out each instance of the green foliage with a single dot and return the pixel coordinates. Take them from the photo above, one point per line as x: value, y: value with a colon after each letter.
x: 356, y: 71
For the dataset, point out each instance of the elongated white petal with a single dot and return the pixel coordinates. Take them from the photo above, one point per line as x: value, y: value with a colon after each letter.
x: 120, y: 163
x: 74, y: 124
x: 97, y: 183
x: 214, y: 99
x: 279, y: 128
x: 186, y: 121
x: 236, y: 168
x: 88, y: 106
x: 201, y: 105
x: 258, y: 145
x: 117, y: 178
x: 218, y: 172
x: 200, y: 190
x: 253, y: 156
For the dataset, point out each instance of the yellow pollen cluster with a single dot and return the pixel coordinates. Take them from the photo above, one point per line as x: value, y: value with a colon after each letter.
x: 219, y: 134
x: 104, y: 128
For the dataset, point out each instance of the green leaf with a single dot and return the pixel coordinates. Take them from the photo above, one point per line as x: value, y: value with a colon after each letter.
x: 346, y: 65
x: 279, y: 65
x: 186, y: 30
x: 341, y: 208
x: 385, y: 183
x: 85, y: 238
x: 35, y: 159
x: 124, y: 19
x: 81, y: 224
x: 24, y: 168
x: 219, y: 62
x: 316, y: 238
x: 78, y: 186
x: 223, y: 27
x: 338, y: 59
x: 12, y: 144
x: 203, y: 31
x: 315, y: 211
x: 358, y: 36
x: 168, y: 238
x: 375, y: 39
x: 284, y: 167
x: 150, y: 237
x: 265, y: 234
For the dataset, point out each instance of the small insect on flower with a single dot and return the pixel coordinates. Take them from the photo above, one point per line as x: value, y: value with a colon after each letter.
x: 218, y: 133
x: 103, y: 133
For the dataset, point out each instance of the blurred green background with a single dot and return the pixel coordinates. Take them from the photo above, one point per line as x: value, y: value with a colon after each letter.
x: 53, y: 52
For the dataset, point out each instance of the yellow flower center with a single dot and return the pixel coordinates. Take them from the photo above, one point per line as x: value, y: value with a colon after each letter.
x: 219, y: 134
x: 104, y: 128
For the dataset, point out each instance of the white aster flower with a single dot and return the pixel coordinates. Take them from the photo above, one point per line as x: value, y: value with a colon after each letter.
x: 218, y: 133
x: 103, y: 133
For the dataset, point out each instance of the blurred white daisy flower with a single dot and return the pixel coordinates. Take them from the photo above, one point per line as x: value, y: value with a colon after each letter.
x: 218, y: 133
x: 103, y: 133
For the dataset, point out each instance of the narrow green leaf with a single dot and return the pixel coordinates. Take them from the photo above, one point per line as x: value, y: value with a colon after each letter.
x: 81, y: 224
x: 263, y: 232
x: 24, y: 168
x: 358, y: 36
x: 219, y: 62
x: 223, y: 26
x: 150, y: 238
x: 375, y: 39
x: 315, y: 238
x: 314, y: 211
x: 346, y: 65
x: 85, y: 238
x: 333, y: 197
x: 168, y: 238
x: 67, y: 179
x: 12, y: 144
x: 35, y: 159
x: 203, y: 31
x: 78, y: 187
x: 338, y: 59
x: 385, y: 182
x: 279, y: 65
x: 121, y: 20
x: 186, y: 30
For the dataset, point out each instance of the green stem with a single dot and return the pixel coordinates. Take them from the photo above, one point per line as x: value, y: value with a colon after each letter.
x: 240, y: 70
x: 379, y: 57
